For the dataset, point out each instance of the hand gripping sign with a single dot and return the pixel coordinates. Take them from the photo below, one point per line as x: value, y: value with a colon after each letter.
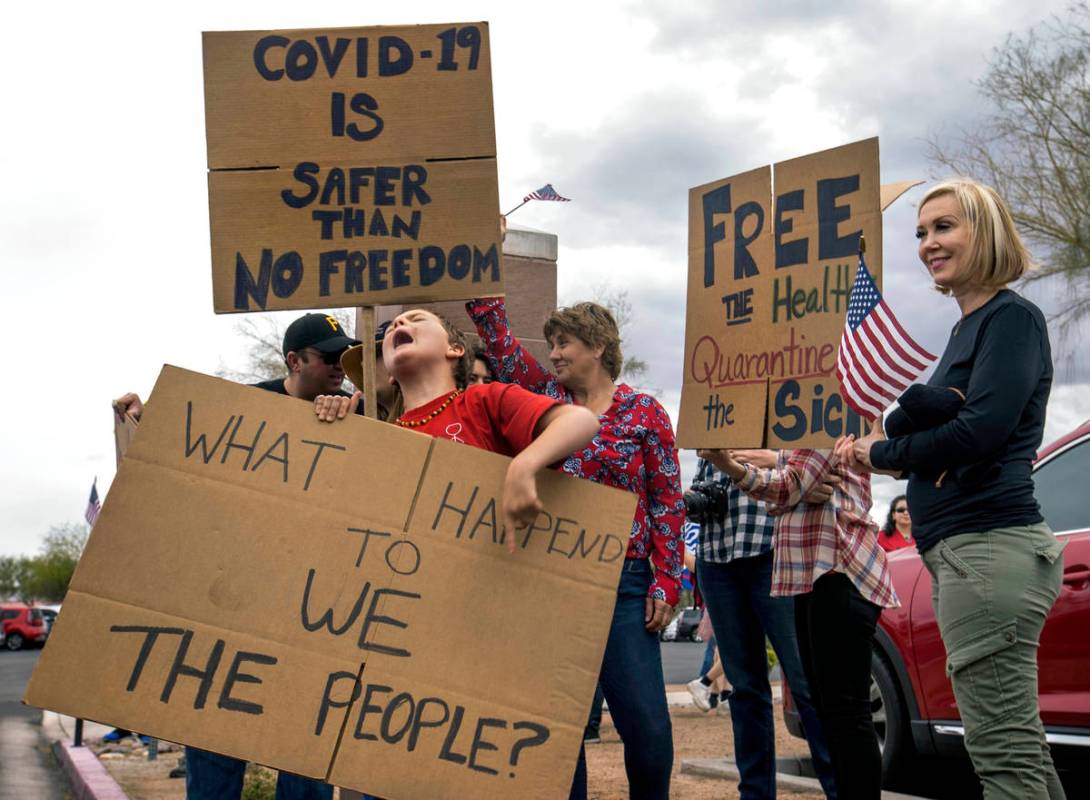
x: 337, y: 601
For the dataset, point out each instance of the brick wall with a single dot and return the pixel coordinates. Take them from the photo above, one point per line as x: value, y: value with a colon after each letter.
x: 529, y: 262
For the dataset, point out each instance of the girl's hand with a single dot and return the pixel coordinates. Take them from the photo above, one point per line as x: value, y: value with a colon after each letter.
x: 332, y: 407
x: 521, y: 505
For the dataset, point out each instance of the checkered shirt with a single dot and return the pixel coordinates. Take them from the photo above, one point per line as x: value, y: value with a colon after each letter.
x: 744, y: 531
x: 812, y: 539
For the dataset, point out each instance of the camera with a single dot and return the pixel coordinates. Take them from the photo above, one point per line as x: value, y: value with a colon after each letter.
x: 706, y: 500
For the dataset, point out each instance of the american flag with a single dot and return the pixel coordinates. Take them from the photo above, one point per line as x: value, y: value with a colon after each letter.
x: 877, y: 360
x: 93, y: 505
x: 546, y: 192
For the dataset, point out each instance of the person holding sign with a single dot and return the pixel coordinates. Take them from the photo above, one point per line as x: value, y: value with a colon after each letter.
x: 826, y: 556
x: 312, y: 348
x: 634, y: 450
x: 995, y: 564
x: 423, y: 352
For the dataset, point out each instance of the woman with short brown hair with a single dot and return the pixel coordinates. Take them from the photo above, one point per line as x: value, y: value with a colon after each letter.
x: 634, y: 450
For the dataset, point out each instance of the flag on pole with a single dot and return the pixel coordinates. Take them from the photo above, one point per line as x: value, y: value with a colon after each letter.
x: 546, y: 192
x: 93, y: 505
x: 878, y: 359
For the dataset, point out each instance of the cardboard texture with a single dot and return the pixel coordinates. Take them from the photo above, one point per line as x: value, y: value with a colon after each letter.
x: 124, y: 430
x: 337, y: 601
x: 351, y: 166
x: 772, y: 256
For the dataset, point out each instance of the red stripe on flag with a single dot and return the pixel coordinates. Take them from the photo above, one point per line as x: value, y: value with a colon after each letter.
x: 887, y: 366
x: 923, y: 354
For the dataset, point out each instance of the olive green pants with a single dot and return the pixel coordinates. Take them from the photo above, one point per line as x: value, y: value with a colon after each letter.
x: 992, y: 592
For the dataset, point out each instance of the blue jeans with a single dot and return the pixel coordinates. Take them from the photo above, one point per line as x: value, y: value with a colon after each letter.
x: 743, y: 615
x: 709, y: 655
x: 211, y: 776
x: 633, y: 685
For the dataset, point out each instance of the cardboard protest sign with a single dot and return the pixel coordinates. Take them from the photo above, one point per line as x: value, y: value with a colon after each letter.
x: 337, y: 601
x: 351, y: 166
x: 124, y: 431
x: 772, y: 256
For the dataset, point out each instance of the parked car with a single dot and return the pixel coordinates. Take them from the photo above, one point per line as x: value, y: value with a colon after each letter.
x: 683, y: 626
x: 912, y: 700
x: 50, y: 613
x: 23, y: 625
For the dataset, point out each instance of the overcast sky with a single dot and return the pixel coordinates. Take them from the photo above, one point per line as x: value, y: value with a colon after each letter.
x: 622, y: 106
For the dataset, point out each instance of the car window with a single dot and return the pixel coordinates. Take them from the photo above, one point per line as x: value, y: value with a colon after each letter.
x: 8, y: 614
x: 35, y: 615
x: 1061, y: 489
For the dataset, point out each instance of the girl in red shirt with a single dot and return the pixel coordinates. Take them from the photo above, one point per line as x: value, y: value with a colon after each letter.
x: 422, y: 352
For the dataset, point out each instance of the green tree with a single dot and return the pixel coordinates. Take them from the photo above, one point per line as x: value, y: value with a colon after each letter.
x: 49, y: 573
x: 13, y: 576
x: 1034, y: 146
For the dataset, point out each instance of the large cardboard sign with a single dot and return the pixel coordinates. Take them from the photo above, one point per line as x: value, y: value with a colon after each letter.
x: 772, y: 256
x: 351, y: 166
x: 337, y: 601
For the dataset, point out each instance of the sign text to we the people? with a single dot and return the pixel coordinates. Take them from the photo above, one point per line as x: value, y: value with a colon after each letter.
x: 229, y: 678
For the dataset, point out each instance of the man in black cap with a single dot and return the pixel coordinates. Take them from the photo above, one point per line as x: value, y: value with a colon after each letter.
x: 313, y: 345
x: 312, y: 349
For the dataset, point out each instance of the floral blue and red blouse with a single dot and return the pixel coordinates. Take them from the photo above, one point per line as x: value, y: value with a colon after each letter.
x: 634, y: 449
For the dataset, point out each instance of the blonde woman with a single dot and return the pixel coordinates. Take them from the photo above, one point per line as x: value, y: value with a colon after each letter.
x: 994, y: 563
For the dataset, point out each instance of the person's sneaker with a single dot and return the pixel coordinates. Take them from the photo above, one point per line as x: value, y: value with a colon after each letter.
x: 724, y: 707
x: 701, y: 694
x: 116, y: 735
x: 592, y: 736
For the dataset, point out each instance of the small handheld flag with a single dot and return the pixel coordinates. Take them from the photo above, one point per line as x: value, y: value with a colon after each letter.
x: 877, y: 359
x: 546, y: 192
x: 93, y: 505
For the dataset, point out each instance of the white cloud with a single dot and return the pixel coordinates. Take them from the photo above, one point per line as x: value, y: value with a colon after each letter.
x: 623, y: 105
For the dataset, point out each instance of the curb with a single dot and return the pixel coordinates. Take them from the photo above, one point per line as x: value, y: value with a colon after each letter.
x: 89, y: 779
x: 86, y: 775
x: 724, y: 768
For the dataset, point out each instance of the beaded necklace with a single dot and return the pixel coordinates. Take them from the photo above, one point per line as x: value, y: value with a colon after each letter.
x: 416, y: 423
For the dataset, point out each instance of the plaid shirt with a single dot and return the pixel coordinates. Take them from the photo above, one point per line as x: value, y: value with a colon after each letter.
x: 812, y: 539
x: 744, y: 530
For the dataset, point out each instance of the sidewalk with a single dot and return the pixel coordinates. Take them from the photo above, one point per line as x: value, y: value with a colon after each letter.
x: 88, y: 777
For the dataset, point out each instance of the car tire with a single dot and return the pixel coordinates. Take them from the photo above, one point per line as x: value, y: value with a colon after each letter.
x: 890, y: 721
x: 695, y: 636
x: 14, y: 642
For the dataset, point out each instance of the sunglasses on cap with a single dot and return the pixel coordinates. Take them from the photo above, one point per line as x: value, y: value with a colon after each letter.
x: 329, y: 359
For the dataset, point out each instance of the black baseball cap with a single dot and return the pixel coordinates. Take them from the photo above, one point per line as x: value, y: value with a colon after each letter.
x: 320, y: 331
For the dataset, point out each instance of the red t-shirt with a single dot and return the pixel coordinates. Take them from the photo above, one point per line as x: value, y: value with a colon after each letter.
x: 894, y: 541
x: 498, y: 417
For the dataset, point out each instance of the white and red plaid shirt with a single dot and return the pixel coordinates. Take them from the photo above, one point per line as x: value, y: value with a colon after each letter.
x: 811, y: 539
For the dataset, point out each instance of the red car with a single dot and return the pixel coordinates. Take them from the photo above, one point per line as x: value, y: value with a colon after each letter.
x: 913, y: 702
x: 23, y: 625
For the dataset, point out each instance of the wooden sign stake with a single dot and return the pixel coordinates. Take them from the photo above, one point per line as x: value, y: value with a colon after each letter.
x: 365, y: 332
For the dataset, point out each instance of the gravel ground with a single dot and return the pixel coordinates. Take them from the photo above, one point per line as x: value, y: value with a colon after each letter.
x: 696, y: 735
